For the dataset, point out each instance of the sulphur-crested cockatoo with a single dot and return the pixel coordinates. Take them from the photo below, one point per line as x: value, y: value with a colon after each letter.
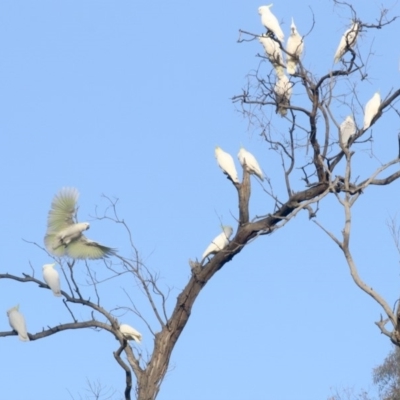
x: 251, y: 163
x: 17, y: 322
x: 347, y: 129
x: 226, y: 163
x: 130, y: 333
x: 219, y: 243
x: 371, y: 109
x: 273, y: 52
x: 270, y: 22
x: 295, y: 47
x: 64, y: 235
x: 51, y: 277
x: 283, y: 92
x: 347, y: 41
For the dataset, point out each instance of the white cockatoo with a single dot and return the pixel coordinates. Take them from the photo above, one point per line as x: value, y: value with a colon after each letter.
x: 251, y: 163
x: 371, y: 109
x: 347, y: 129
x: 64, y: 235
x: 295, y: 47
x: 17, y: 322
x: 219, y: 243
x: 130, y: 333
x: 347, y: 41
x: 273, y: 52
x: 226, y: 163
x: 51, y: 277
x: 270, y: 22
x: 283, y: 92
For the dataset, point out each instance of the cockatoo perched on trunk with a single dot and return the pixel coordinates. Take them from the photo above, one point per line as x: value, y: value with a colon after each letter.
x: 17, y: 322
x: 295, y: 47
x: 226, y: 163
x: 219, y: 243
x: 283, y: 92
x: 273, y: 52
x: 51, y: 277
x: 64, y: 235
x: 270, y: 22
x: 347, y: 129
x: 251, y: 163
x: 130, y: 333
x: 347, y: 41
x: 371, y: 109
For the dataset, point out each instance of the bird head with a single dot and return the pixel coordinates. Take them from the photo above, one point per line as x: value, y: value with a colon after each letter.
x: 293, y: 26
x: 15, y: 308
x: 228, y: 230
x: 48, y: 266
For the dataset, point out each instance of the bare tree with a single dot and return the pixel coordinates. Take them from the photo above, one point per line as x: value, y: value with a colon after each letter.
x: 310, y: 146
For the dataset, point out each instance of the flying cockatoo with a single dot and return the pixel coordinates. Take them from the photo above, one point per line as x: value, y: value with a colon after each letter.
x: 347, y: 41
x: 219, y: 243
x: 17, y: 322
x: 273, y: 52
x: 283, y: 92
x: 64, y: 235
x: 295, y: 47
x: 251, y: 163
x: 226, y: 163
x: 270, y: 22
x: 130, y: 333
x: 371, y: 109
x: 51, y: 277
x: 347, y: 129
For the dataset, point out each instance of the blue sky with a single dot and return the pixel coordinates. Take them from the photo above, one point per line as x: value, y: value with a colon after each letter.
x: 129, y: 99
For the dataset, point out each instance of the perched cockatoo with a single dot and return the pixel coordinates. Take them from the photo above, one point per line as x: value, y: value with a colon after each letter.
x: 347, y: 129
x: 295, y: 47
x: 371, y: 109
x: 130, y: 333
x: 226, y: 163
x: 219, y: 243
x: 273, y: 52
x: 17, y: 322
x: 270, y: 22
x: 64, y: 235
x: 283, y: 92
x: 251, y: 163
x: 51, y: 277
x: 347, y: 41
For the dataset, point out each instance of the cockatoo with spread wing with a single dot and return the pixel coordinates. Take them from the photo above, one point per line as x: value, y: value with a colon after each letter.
x: 51, y: 277
x: 226, y: 163
x: 347, y: 41
x: 64, y: 235
x: 371, y: 109
x: 251, y: 163
x: 295, y: 47
x: 270, y: 22
x: 130, y: 333
x: 17, y: 322
x: 283, y: 92
x: 347, y: 129
x: 273, y: 52
x: 219, y: 243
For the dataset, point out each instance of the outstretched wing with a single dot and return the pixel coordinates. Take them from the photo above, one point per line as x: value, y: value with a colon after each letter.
x: 85, y: 248
x: 63, y: 210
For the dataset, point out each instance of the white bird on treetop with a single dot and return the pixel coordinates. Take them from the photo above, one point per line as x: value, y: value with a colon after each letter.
x: 347, y: 41
x: 273, y: 52
x: 295, y: 47
x: 226, y: 163
x: 17, y: 322
x: 347, y: 129
x: 283, y: 92
x: 64, y: 235
x: 371, y: 109
x: 251, y: 163
x: 51, y: 277
x: 219, y: 242
x: 270, y: 22
x: 130, y: 333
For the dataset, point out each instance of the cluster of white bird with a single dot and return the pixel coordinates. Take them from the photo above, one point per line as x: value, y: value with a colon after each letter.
x: 64, y: 238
